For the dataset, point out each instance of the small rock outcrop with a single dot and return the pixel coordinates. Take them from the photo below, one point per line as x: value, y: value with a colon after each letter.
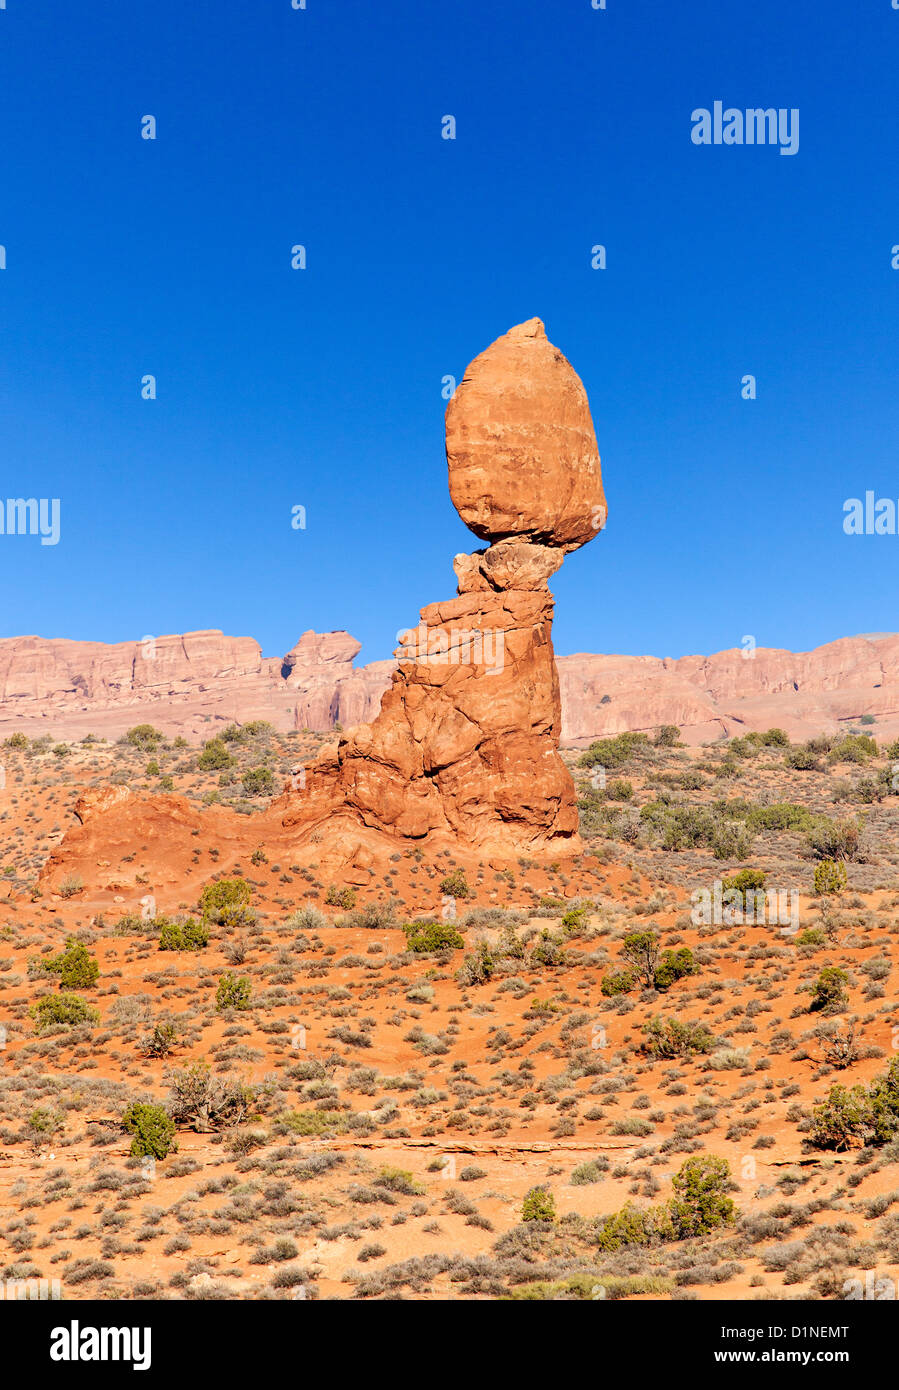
x: 465, y: 746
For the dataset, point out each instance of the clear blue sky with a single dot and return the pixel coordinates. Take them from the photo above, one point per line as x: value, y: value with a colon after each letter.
x: 322, y: 388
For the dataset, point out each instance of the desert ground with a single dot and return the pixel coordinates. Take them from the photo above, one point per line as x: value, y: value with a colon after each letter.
x: 438, y: 1076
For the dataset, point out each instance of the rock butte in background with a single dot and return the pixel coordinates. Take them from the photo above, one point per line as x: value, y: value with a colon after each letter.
x: 69, y: 689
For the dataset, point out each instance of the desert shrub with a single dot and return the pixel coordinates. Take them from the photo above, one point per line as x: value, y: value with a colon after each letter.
x: 833, y: 839
x: 153, y: 1130
x: 628, y: 1226
x: 548, y: 950
x: 478, y: 966
x: 206, y: 1102
x: 858, y: 1115
x: 455, y: 884
x: 771, y: 738
x: 258, y: 781
x: 780, y: 815
x: 574, y: 921
x: 853, y: 748
x: 619, y: 790
x: 233, y: 992
x: 802, y: 759
x: 17, y: 740
x: 183, y: 936
x: 672, y: 1038
x: 75, y: 966
x: 614, y: 752
x: 674, y: 965
x: 842, y: 1119
x: 619, y: 983
x: 44, y: 1121
x: 226, y: 901
x: 398, y: 1180
x: 62, y: 1011
x: 743, y: 882
x: 687, y: 827
x: 144, y: 737
x: 422, y: 937
x: 538, y: 1205
x: 307, y: 918
x: 641, y: 951
x: 830, y: 877
x: 729, y: 1058
x: 309, y: 1124
x: 71, y: 885
x: 590, y: 1172
x: 340, y: 897
x: 214, y: 757
x: 700, y: 1203
x: 161, y: 1042
x: 667, y: 736
x: 829, y: 994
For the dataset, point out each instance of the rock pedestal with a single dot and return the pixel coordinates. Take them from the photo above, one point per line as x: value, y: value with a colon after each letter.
x: 465, y: 746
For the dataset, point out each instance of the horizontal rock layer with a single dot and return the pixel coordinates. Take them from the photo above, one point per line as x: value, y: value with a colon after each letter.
x: 199, y: 681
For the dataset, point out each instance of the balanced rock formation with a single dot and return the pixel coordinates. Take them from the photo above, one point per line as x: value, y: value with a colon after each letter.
x: 465, y: 746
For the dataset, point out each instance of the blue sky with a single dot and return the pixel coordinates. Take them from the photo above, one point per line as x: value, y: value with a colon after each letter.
x: 322, y: 388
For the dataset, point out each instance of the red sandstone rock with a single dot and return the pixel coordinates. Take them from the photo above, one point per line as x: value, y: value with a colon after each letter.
x: 465, y: 746
x: 520, y: 445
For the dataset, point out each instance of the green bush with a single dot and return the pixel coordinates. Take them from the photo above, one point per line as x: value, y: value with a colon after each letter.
x: 867, y: 1116
x: 478, y: 966
x: 258, y: 781
x: 746, y: 881
x: 613, y: 752
x: 620, y: 790
x: 674, y: 966
x: 153, y: 1130
x: 830, y: 877
x: 829, y: 839
x: 455, y: 884
x: 422, y: 937
x: 226, y: 900
x: 233, y: 992
x: 574, y: 921
x: 620, y: 983
x: 841, y: 1120
x: 75, y: 966
x: 340, y: 897
x: 830, y: 994
x: 44, y: 1121
x: 538, y: 1205
x: 214, y: 756
x: 667, y: 736
x: 628, y: 1226
x: 62, y: 1010
x: 183, y: 936
x: 802, y: 759
x: 548, y: 950
x: 144, y: 737
x: 310, y: 1123
x: 672, y: 1038
x: 700, y: 1203
x: 780, y: 815
x: 853, y: 748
